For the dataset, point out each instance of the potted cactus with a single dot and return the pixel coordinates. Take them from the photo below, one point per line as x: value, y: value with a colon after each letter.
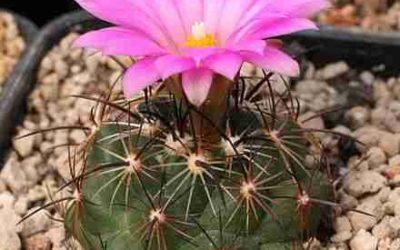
x: 201, y: 159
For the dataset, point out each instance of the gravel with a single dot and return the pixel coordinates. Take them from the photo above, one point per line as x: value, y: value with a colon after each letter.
x: 38, y: 164
x: 374, y: 15
x: 369, y: 194
x: 11, y: 45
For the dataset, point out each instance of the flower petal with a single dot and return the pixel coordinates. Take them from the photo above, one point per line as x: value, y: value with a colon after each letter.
x: 199, y: 54
x: 171, y: 64
x: 256, y: 46
x: 212, y: 14
x: 167, y: 12
x: 127, y: 13
x: 230, y: 16
x: 117, y: 13
x: 191, y: 11
x: 196, y: 84
x: 226, y: 63
x: 273, y: 60
x: 139, y: 76
x: 273, y: 27
x: 297, y: 8
x: 290, y: 9
x: 270, y: 26
x: 119, y: 41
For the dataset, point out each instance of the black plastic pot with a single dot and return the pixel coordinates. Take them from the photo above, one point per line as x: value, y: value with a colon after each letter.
x: 361, y: 51
x: 11, y: 96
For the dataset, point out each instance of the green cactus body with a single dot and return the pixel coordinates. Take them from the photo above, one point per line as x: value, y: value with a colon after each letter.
x: 147, y: 184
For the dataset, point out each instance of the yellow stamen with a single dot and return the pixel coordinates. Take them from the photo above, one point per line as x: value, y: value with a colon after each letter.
x: 199, y: 37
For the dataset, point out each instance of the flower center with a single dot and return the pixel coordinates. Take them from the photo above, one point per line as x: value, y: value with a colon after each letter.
x: 199, y: 37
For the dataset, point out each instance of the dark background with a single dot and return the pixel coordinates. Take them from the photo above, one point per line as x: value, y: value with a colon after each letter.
x: 39, y: 11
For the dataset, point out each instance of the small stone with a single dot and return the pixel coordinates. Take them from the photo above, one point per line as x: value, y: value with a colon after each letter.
x: 342, y: 130
x: 394, y: 198
x: 367, y: 77
x: 360, y: 183
x: 358, y: 116
x: 394, y: 107
x: 61, y: 68
x: 46, y: 64
x: 369, y: 136
x: 356, y: 164
x: 381, y: 93
x: 29, y: 166
x: 315, y: 123
x: 390, y: 144
x: 38, y: 242
x: 384, y: 119
x: 21, y: 205
x: 78, y: 136
x: 371, y: 213
x: 57, y: 236
x: 24, y: 146
x: 384, y: 244
x: 62, y: 166
x: 383, y: 229
x: 383, y: 195
x: 341, y: 237
x: 13, y: 175
x: 46, y: 146
x: 395, y: 244
x: 395, y: 181
x: 394, y: 161
x: 347, y: 202
x: 40, y: 222
x: 334, y: 70
x: 363, y: 241
x: 9, y: 239
x: 6, y: 200
x: 342, y: 223
x: 316, y: 95
x: 395, y: 224
x: 376, y: 157
x: 36, y: 193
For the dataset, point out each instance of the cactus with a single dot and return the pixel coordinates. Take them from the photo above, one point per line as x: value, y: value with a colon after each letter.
x: 159, y: 173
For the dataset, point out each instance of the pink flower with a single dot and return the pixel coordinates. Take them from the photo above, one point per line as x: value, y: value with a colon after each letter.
x: 196, y: 38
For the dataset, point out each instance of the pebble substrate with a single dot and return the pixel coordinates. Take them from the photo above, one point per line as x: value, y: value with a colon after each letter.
x: 370, y: 184
x: 373, y: 15
x: 369, y: 190
x: 11, y: 45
